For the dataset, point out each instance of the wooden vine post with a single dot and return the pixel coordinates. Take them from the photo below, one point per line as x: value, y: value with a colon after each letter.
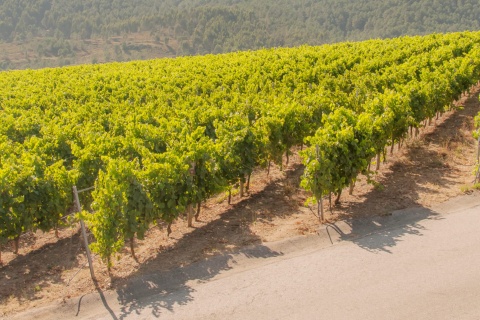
x: 320, y: 212
x: 242, y: 187
x: 378, y: 162
x: 78, y: 208
x: 190, y: 207
x: 190, y: 216
x: 477, y: 175
x: 478, y: 152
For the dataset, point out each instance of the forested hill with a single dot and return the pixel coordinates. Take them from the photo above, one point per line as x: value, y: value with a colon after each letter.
x: 38, y: 33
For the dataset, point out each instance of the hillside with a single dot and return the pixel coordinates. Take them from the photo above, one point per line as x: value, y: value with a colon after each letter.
x: 60, y: 32
x: 153, y: 140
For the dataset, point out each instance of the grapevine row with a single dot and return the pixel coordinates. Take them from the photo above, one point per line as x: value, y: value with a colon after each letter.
x: 156, y: 137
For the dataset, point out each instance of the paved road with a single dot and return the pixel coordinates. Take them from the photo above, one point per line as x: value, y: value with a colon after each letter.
x: 416, y: 264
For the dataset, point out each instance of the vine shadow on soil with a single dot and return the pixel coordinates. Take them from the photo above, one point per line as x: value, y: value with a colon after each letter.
x: 36, y: 274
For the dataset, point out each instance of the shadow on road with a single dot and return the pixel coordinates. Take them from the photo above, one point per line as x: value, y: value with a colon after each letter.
x: 213, y: 244
x: 175, y: 287
x: 379, y: 234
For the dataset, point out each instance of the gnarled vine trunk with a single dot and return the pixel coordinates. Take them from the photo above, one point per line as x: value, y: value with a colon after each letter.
x: 337, y: 200
x: 198, y: 211
x: 132, y: 248
x: 16, y: 243
x: 247, y: 188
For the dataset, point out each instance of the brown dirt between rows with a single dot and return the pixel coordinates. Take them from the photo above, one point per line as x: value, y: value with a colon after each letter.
x: 428, y: 170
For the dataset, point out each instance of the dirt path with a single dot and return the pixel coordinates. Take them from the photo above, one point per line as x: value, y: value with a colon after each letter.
x: 426, y: 171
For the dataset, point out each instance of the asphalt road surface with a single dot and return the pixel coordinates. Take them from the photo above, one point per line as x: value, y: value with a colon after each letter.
x: 414, y: 264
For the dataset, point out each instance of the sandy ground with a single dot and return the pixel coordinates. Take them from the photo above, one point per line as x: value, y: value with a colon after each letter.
x: 426, y: 171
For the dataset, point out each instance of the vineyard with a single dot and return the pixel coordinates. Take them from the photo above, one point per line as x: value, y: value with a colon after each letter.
x: 154, y: 139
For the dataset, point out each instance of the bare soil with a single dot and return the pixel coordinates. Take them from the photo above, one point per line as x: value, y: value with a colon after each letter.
x: 426, y: 171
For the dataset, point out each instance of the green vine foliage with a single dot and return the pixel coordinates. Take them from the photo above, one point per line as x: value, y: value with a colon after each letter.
x: 236, y: 147
x: 156, y: 136
x: 122, y: 208
x: 338, y: 153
